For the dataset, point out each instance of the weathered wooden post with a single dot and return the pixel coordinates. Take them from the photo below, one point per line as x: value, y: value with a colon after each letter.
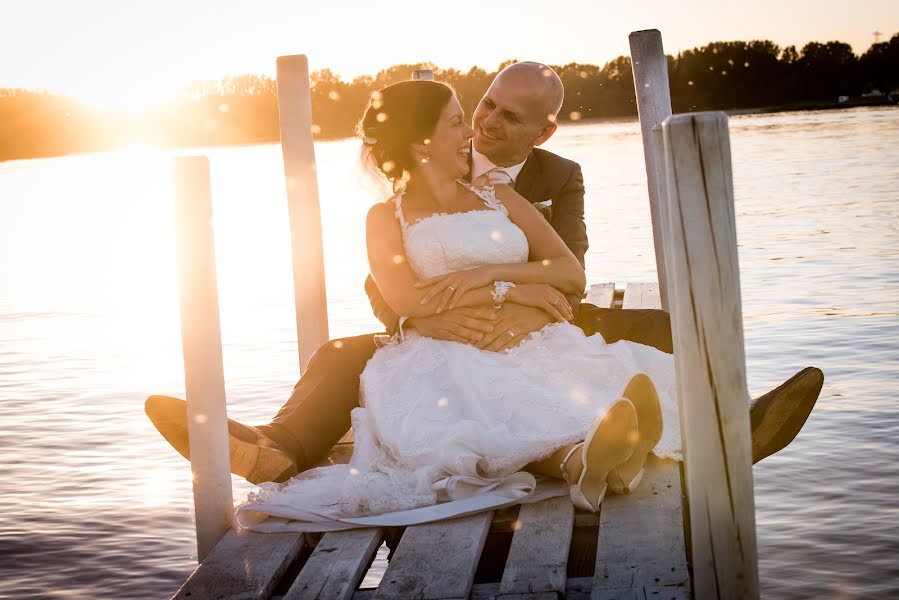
x: 201, y: 338
x: 650, y: 66
x: 295, y: 114
x: 704, y: 281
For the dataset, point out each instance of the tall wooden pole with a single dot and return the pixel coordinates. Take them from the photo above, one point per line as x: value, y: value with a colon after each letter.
x: 701, y: 254
x: 650, y: 66
x: 202, y: 343
x: 295, y: 113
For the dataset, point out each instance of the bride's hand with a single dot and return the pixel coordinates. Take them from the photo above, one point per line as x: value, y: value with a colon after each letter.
x: 451, y: 287
x: 543, y: 296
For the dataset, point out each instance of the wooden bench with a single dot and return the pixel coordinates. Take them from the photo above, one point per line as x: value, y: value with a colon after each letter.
x: 635, y: 547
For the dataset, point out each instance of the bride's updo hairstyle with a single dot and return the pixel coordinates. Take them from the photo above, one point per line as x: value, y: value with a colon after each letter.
x: 397, y: 117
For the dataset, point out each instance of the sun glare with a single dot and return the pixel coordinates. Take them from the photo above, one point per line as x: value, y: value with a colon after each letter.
x: 125, y: 98
x: 156, y: 488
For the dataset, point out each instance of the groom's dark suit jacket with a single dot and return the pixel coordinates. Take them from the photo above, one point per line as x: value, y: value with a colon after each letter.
x: 545, y: 176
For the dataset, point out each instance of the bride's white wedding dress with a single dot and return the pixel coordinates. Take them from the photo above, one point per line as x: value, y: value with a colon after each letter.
x: 444, y: 428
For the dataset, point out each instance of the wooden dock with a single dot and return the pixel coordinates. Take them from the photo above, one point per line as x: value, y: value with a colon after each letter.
x: 652, y: 543
x: 634, y: 548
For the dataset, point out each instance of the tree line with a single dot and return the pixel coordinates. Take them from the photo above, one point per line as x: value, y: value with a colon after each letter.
x: 243, y: 109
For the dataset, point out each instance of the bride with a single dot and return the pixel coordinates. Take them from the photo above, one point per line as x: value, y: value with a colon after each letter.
x: 444, y: 428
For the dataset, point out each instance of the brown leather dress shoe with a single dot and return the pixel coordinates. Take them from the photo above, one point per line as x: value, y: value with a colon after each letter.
x: 254, y: 457
x: 778, y: 416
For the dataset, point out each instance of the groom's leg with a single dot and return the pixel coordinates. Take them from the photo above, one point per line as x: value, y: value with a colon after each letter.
x: 315, y: 417
x: 317, y: 414
x: 648, y: 326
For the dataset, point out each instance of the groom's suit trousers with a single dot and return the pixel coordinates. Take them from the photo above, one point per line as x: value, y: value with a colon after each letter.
x: 317, y: 414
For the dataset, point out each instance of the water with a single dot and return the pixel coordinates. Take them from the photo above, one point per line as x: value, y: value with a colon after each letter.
x: 95, y: 504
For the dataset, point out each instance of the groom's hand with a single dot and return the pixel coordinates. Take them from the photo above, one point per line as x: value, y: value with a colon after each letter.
x: 468, y: 325
x: 515, y: 322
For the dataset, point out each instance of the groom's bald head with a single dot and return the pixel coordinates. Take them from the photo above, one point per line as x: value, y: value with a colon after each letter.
x: 517, y: 112
x: 540, y: 80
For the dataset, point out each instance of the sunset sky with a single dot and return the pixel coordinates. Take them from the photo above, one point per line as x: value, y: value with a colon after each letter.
x: 127, y: 53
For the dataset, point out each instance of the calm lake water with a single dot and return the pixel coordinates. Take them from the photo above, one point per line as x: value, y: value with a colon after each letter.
x: 94, y: 503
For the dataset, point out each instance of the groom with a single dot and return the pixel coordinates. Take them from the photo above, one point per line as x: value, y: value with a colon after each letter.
x: 516, y: 114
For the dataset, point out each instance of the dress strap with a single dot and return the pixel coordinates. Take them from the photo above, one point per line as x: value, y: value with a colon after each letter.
x: 398, y: 203
x: 487, y: 194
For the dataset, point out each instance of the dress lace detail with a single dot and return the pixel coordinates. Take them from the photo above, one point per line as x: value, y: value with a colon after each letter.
x: 444, y: 242
x: 444, y: 426
x: 487, y: 194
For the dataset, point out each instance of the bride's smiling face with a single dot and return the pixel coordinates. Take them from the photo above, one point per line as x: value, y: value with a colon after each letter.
x: 449, y: 147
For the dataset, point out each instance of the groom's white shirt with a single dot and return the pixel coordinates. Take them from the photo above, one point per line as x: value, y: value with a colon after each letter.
x: 480, y: 164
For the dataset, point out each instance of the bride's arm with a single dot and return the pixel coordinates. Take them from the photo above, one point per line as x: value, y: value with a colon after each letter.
x: 394, y: 276
x: 550, y: 263
x: 550, y: 260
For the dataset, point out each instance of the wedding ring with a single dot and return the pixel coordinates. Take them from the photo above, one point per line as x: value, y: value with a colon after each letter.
x: 556, y: 302
x: 510, y: 333
x: 451, y: 287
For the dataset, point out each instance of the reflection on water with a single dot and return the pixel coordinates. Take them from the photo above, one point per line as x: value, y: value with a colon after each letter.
x: 94, y: 502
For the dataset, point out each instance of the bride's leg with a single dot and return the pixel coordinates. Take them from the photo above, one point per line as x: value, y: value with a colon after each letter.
x: 609, y: 443
x: 551, y: 466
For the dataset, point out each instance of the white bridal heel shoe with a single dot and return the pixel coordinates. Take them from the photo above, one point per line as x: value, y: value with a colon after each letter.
x: 609, y: 443
x: 625, y: 478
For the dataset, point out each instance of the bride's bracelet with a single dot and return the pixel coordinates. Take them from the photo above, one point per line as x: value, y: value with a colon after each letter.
x: 500, y: 288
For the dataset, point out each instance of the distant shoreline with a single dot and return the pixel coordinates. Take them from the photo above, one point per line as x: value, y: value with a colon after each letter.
x: 873, y: 102
x: 869, y: 102
x: 736, y: 77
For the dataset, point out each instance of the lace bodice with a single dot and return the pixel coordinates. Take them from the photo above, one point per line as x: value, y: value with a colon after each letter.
x: 446, y: 242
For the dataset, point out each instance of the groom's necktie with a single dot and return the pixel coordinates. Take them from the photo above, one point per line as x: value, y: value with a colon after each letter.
x: 496, y: 176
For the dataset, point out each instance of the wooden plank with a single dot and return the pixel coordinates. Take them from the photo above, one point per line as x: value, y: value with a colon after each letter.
x: 601, y: 294
x: 538, y: 557
x: 641, y: 535
x: 436, y: 560
x: 577, y: 588
x: 245, y: 566
x: 641, y: 538
x: 662, y: 507
x: 627, y: 594
x: 337, y: 565
x: 667, y: 593
x: 646, y: 593
x: 642, y: 295
x: 706, y: 318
